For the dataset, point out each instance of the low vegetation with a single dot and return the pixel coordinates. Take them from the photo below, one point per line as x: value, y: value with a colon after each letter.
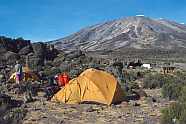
x: 154, y: 80
x: 175, y: 89
x: 176, y: 113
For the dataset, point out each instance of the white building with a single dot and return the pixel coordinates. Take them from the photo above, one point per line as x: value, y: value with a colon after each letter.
x: 148, y: 66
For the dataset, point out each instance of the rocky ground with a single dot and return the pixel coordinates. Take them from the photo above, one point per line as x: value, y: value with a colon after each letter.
x: 143, y: 111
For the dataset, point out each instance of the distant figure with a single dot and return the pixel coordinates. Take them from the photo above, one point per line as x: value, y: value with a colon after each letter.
x: 19, y: 72
x: 51, y: 87
x: 63, y: 79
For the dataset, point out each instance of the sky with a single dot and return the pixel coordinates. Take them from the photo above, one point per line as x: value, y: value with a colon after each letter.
x: 45, y: 20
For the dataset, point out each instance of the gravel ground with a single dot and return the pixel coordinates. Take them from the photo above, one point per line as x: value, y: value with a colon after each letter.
x: 143, y: 111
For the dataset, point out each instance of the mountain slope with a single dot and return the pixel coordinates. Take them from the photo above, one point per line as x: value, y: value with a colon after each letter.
x: 131, y: 32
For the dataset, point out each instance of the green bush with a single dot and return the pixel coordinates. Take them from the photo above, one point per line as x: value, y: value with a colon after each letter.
x: 133, y: 85
x: 130, y: 76
x: 176, y: 111
x: 171, y: 113
x: 173, y: 85
x: 154, y: 80
x: 171, y: 90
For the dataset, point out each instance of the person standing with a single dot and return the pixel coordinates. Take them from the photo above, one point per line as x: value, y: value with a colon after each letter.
x: 19, y: 72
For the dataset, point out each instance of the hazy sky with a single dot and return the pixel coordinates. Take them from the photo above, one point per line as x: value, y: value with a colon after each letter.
x: 43, y: 20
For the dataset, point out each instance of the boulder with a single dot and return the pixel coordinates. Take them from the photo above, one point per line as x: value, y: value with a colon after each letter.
x: 26, y: 50
x: 37, y: 58
x: 39, y: 49
x: 8, y: 58
x: 7, y: 44
x: 9, y: 49
x: 141, y: 93
x: 11, y: 57
x: 21, y: 43
x: 35, y: 62
x: 5, y: 102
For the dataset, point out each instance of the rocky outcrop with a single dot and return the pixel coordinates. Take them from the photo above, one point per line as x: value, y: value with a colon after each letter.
x: 11, y: 57
x: 26, y: 50
x: 36, y: 53
x: 41, y: 53
x: 13, y: 45
x: 9, y: 49
x: 39, y: 49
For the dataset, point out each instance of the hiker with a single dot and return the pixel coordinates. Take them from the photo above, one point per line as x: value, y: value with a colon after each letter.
x: 63, y: 79
x: 19, y: 72
x: 51, y: 88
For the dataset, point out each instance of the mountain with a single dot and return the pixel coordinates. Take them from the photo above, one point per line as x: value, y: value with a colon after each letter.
x: 131, y: 32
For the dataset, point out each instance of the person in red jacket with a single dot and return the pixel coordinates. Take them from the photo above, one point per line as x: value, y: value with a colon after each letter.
x: 63, y: 79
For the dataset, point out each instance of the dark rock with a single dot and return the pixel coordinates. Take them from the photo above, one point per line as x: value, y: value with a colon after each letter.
x: 9, y: 49
x: 26, y: 50
x: 39, y: 49
x: 14, y: 116
x: 153, y: 99
x: 90, y: 109
x: 21, y: 43
x: 11, y: 57
x: 13, y: 45
x: 51, y: 52
x: 41, y: 54
x: 141, y: 93
x: 5, y: 99
x: 35, y: 62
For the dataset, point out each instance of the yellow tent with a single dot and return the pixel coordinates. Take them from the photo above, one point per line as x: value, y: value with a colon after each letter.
x: 91, y: 86
x: 28, y: 75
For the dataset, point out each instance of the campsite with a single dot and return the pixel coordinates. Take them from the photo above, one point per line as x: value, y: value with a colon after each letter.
x: 99, y: 92
x: 92, y: 62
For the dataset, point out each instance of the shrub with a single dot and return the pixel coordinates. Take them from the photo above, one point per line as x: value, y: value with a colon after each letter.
x: 155, y: 80
x: 172, y: 87
x: 171, y: 113
x: 130, y: 76
x: 171, y: 90
x: 176, y: 111
x: 133, y: 85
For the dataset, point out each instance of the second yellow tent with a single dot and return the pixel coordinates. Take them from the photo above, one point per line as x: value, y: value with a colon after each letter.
x: 28, y: 75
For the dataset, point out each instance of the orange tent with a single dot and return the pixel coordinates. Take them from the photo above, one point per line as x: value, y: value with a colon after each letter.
x: 91, y: 86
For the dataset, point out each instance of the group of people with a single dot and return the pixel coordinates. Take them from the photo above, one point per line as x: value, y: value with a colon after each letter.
x: 54, y: 83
